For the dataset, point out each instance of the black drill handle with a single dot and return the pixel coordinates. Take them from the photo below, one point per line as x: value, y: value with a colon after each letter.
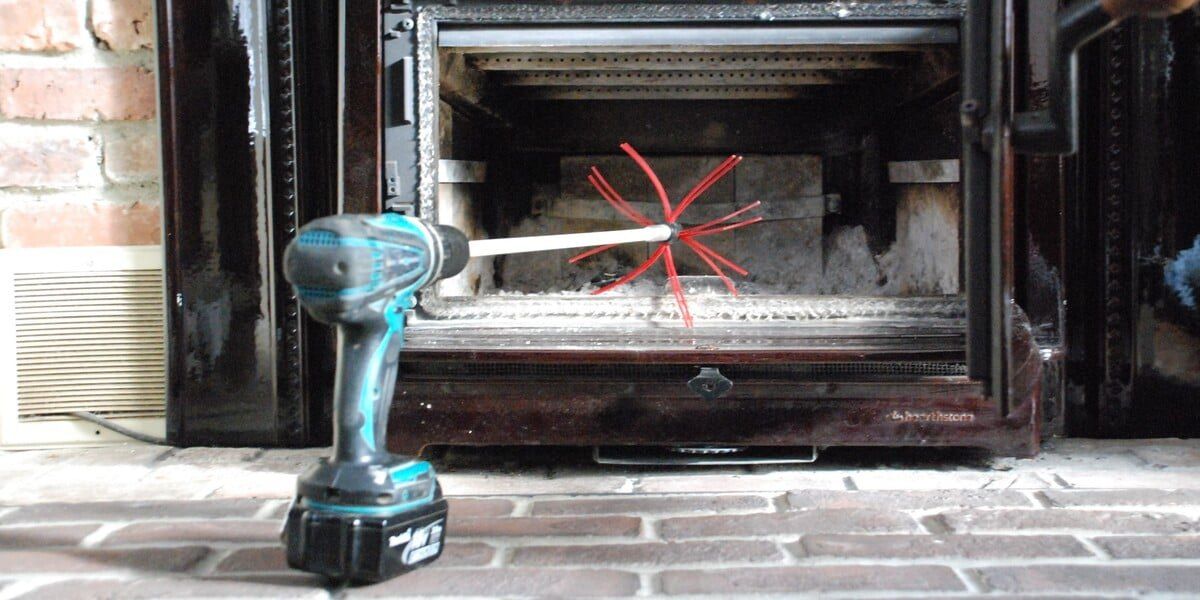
x: 367, y: 363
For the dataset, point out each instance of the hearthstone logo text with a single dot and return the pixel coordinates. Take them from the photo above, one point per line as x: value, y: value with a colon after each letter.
x: 931, y: 416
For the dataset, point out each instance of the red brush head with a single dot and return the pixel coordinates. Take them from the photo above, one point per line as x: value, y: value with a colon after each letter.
x: 671, y: 216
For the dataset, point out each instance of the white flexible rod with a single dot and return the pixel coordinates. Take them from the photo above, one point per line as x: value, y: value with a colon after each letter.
x: 540, y: 243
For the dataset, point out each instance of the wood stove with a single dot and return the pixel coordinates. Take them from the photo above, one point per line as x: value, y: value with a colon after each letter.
x: 852, y: 328
x: 906, y: 283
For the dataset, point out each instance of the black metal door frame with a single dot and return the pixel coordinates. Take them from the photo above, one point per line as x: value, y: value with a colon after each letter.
x: 987, y: 164
x: 246, y: 158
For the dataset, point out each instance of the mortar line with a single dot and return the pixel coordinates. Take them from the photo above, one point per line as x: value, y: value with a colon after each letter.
x: 791, y: 557
x: 502, y: 557
x: 646, y: 583
x: 88, y: 55
x: 1039, y: 498
x: 632, y: 483
x: 208, y: 565
x: 649, y: 529
x: 974, y: 584
x: 1093, y: 547
x: 1058, y: 480
x: 522, y: 507
x: 127, y: 520
x: 20, y: 587
x: 270, y: 506
x: 98, y: 536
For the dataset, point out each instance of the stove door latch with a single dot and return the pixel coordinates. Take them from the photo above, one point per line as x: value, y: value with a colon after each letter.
x: 710, y: 384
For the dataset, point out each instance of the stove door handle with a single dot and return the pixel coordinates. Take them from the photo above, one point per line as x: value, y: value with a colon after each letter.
x: 710, y: 384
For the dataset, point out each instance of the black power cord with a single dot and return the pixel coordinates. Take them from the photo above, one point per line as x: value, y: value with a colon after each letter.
x: 121, y: 429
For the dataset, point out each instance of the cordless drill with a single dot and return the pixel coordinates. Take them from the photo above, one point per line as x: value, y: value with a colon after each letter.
x: 365, y: 515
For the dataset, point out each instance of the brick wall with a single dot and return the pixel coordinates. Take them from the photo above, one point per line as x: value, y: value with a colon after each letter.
x: 78, y: 136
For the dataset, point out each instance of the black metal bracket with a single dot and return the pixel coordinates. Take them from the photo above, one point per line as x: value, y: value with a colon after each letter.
x: 1055, y: 130
x: 399, y: 111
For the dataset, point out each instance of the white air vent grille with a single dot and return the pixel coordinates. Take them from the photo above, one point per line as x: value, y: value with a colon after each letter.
x: 85, y: 332
x: 89, y: 341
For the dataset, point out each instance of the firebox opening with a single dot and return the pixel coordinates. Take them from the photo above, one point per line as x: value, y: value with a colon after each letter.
x: 853, y: 153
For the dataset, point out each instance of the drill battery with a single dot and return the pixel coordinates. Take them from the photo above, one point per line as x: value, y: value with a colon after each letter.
x: 364, y: 548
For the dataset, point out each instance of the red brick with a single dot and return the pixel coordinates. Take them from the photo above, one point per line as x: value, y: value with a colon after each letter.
x: 479, y: 507
x: 52, y: 512
x: 813, y: 521
x: 615, y: 526
x: 1082, y: 579
x: 972, y: 547
x: 811, y: 580
x: 41, y: 25
x: 268, y: 559
x: 543, y: 583
x: 132, y: 156
x: 69, y: 224
x: 902, y: 500
x: 610, y: 505
x: 219, y: 530
x: 1126, y: 497
x: 294, y: 585
x: 650, y: 554
x: 1065, y: 519
x: 470, y: 554
x: 254, y: 560
x: 51, y: 161
x: 114, y: 94
x: 44, y: 536
x: 124, y: 24
x: 1141, y: 546
x: 23, y: 562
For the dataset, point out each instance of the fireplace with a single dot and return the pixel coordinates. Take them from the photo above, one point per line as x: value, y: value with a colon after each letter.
x: 851, y: 327
x: 909, y: 284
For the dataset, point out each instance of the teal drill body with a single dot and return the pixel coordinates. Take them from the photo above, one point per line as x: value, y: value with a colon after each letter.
x: 364, y: 514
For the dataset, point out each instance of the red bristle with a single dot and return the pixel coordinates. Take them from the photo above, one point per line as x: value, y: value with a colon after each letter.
x: 729, y: 227
x: 613, y: 196
x: 721, y: 259
x: 592, y: 252
x: 716, y: 175
x: 712, y: 265
x: 658, y: 186
x: 727, y: 217
x: 628, y: 213
x: 634, y: 274
x: 677, y: 288
x: 702, y: 185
